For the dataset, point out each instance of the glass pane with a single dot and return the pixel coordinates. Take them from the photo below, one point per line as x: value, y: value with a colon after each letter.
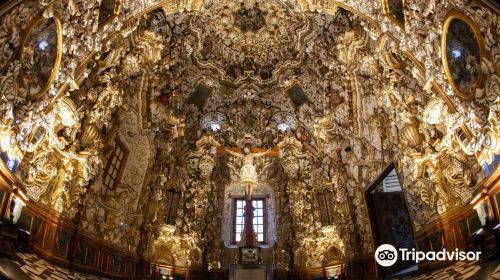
x: 258, y: 219
x: 259, y: 213
x: 260, y: 228
x: 239, y: 203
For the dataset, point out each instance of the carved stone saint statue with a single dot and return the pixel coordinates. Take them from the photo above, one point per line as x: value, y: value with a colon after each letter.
x: 248, y: 174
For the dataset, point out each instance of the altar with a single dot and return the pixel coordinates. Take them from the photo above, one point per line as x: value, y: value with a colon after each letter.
x: 253, y: 272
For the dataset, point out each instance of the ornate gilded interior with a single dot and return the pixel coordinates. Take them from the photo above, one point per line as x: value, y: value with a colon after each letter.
x: 116, y: 115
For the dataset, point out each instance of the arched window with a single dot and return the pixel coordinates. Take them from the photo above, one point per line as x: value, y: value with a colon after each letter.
x: 259, y: 219
x: 114, y: 166
x: 325, y: 201
x: 172, y: 198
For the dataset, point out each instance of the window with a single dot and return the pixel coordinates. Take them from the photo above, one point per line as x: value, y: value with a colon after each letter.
x: 283, y: 127
x: 325, y: 200
x: 11, y: 163
x: 213, y: 121
x: 115, y: 164
x: 284, y: 122
x: 37, y: 135
x: 259, y: 218
x: 171, y: 204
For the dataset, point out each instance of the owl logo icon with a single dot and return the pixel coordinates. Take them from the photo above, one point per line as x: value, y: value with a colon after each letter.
x: 386, y: 255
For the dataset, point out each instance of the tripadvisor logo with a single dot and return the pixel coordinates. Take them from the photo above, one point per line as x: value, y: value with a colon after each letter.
x: 387, y: 255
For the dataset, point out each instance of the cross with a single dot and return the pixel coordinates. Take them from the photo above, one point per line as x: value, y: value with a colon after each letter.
x: 248, y: 177
x: 221, y: 150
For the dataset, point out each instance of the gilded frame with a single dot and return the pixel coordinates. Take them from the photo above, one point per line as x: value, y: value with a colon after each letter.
x: 2, y: 199
x: 386, y: 9
x: 32, y: 135
x: 116, y: 12
x: 25, y: 36
x: 461, y: 134
x: 497, y: 204
x: 481, y: 45
x: 386, y: 43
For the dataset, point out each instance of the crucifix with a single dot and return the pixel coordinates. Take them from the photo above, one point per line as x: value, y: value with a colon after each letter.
x: 248, y: 179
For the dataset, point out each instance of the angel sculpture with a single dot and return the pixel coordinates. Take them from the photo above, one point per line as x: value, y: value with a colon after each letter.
x: 248, y: 174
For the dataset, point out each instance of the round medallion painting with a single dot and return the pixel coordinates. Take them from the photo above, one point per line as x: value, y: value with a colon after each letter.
x: 40, y: 55
x: 463, y: 50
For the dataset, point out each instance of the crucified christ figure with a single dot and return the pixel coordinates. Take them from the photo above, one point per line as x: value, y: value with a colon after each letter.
x: 248, y: 174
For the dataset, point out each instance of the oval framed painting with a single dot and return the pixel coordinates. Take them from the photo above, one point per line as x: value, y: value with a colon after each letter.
x: 462, y: 50
x: 40, y: 54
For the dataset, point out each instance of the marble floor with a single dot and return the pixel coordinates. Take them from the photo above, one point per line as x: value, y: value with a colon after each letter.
x: 25, y: 266
x: 462, y: 271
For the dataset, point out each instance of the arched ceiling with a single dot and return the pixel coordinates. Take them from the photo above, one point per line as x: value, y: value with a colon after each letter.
x: 338, y: 87
x: 251, y: 68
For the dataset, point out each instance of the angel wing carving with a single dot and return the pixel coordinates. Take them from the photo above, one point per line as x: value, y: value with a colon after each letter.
x: 263, y: 168
x: 234, y: 169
